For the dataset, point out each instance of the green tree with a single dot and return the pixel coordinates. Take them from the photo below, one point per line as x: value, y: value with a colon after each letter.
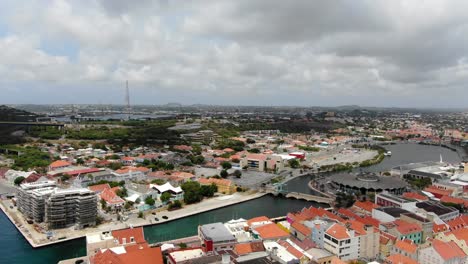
x: 19, y: 180
x: 208, y: 190
x: 175, y: 205
x: 191, y: 192
x: 122, y: 192
x: 115, y: 166
x: 237, y: 173
x: 294, y: 163
x: 223, y: 173
x: 226, y: 165
x: 149, y: 201
x: 166, y: 196
x: 158, y: 181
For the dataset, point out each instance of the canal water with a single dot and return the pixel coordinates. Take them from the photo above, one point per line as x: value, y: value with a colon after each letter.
x: 15, y: 249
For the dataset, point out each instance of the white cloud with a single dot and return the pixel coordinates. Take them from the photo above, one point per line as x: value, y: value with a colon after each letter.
x: 225, y: 50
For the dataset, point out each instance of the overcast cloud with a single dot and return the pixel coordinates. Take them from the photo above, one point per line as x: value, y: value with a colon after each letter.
x: 246, y: 52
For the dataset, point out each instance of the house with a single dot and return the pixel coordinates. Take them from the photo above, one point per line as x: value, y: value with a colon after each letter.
x: 406, y: 230
x: 364, y: 207
x: 97, y: 189
x: 176, y: 192
x: 270, y: 232
x: 129, y: 236
x: 342, y: 242
x: 399, y: 259
x: 386, y: 243
x: 368, y: 239
x: 248, y: 248
x: 142, y: 254
x: 406, y: 248
x: 187, y: 256
x: 224, y: 186
x: 96, y: 242
x: 300, y: 231
x: 216, y: 237
x: 415, y: 196
x: 59, y: 164
x: 458, y: 236
x: 442, y: 253
x: 111, y: 198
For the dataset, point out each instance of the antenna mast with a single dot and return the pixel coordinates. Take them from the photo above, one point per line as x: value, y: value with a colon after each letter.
x: 127, y: 100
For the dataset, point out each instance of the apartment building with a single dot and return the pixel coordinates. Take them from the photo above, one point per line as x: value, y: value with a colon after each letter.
x: 31, y: 199
x: 67, y: 207
x: 342, y: 242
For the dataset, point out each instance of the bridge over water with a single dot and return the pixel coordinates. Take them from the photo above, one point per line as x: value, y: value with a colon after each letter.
x: 278, y: 189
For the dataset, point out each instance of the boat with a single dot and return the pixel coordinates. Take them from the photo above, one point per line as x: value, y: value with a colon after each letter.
x: 388, y: 153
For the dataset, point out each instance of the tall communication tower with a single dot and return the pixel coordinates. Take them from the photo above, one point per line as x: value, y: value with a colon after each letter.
x: 128, y: 109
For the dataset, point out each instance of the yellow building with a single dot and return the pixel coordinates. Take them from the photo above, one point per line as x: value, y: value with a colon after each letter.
x: 224, y: 186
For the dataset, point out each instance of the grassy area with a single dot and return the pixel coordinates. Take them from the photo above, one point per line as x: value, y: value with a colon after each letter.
x: 28, y: 158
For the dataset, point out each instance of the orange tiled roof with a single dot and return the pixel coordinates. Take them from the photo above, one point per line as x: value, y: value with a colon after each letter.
x: 128, y: 169
x: 99, y: 187
x: 366, y: 205
x: 141, y: 255
x: 301, y: 228
x: 246, y: 248
x: 436, y: 191
x: 386, y: 237
x: 439, y: 228
x: 338, y: 231
x: 448, y: 250
x: 59, y: 163
x: 110, y: 197
x: 258, y: 219
x: 369, y: 220
x: 222, y: 182
x: 406, y: 227
x: 348, y: 213
x: 400, y: 259
x: 415, y: 196
x: 406, y: 245
x: 460, y: 234
x: 336, y: 260
x: 292, y: 250
x: 454, y: 200
x: 136, y: 233
x: 271, y: 231
x: 458, y: 222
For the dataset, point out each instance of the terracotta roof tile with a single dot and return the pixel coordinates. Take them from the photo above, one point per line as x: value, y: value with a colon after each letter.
x: 400, y: 259
x: 301, y: 228
x: 448, y: 250
x: 271, y: 231
x: 136, y: 233
x: 338, y: 231
x: 406, y: 245
x: 366, y: 205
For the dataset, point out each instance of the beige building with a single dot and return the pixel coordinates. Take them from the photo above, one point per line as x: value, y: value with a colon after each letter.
x: 262, y: 162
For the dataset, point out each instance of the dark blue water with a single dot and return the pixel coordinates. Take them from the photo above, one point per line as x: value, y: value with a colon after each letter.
x: 15, y: 249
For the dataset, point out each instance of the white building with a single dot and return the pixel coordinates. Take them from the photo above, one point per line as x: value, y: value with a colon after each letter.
x: 342, y: 242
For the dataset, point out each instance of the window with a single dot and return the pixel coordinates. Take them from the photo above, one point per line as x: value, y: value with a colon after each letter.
x: 124, y: 240
x: 132, y: 239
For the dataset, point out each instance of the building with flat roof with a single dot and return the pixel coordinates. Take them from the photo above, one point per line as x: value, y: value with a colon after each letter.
x: 67, y: 207
x: 445, y: 213
x: 387, y: 199
x: 368, y: 182
x: 216, y: 237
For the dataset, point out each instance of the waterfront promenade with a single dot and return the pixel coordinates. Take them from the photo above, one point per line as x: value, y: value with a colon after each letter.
x: 39, y: 239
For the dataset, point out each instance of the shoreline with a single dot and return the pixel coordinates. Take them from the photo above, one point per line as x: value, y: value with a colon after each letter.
x: 192, y: 212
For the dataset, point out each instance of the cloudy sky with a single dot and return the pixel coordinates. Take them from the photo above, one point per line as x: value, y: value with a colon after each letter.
x: 242, y: 52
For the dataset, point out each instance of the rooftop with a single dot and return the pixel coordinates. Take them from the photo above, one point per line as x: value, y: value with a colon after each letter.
x: 435, y: 208
x: 216, y: 232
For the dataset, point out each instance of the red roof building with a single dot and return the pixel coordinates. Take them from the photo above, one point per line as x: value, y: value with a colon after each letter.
x: 129, y: 236
x: 141, y: 254
x: 271, y: 232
